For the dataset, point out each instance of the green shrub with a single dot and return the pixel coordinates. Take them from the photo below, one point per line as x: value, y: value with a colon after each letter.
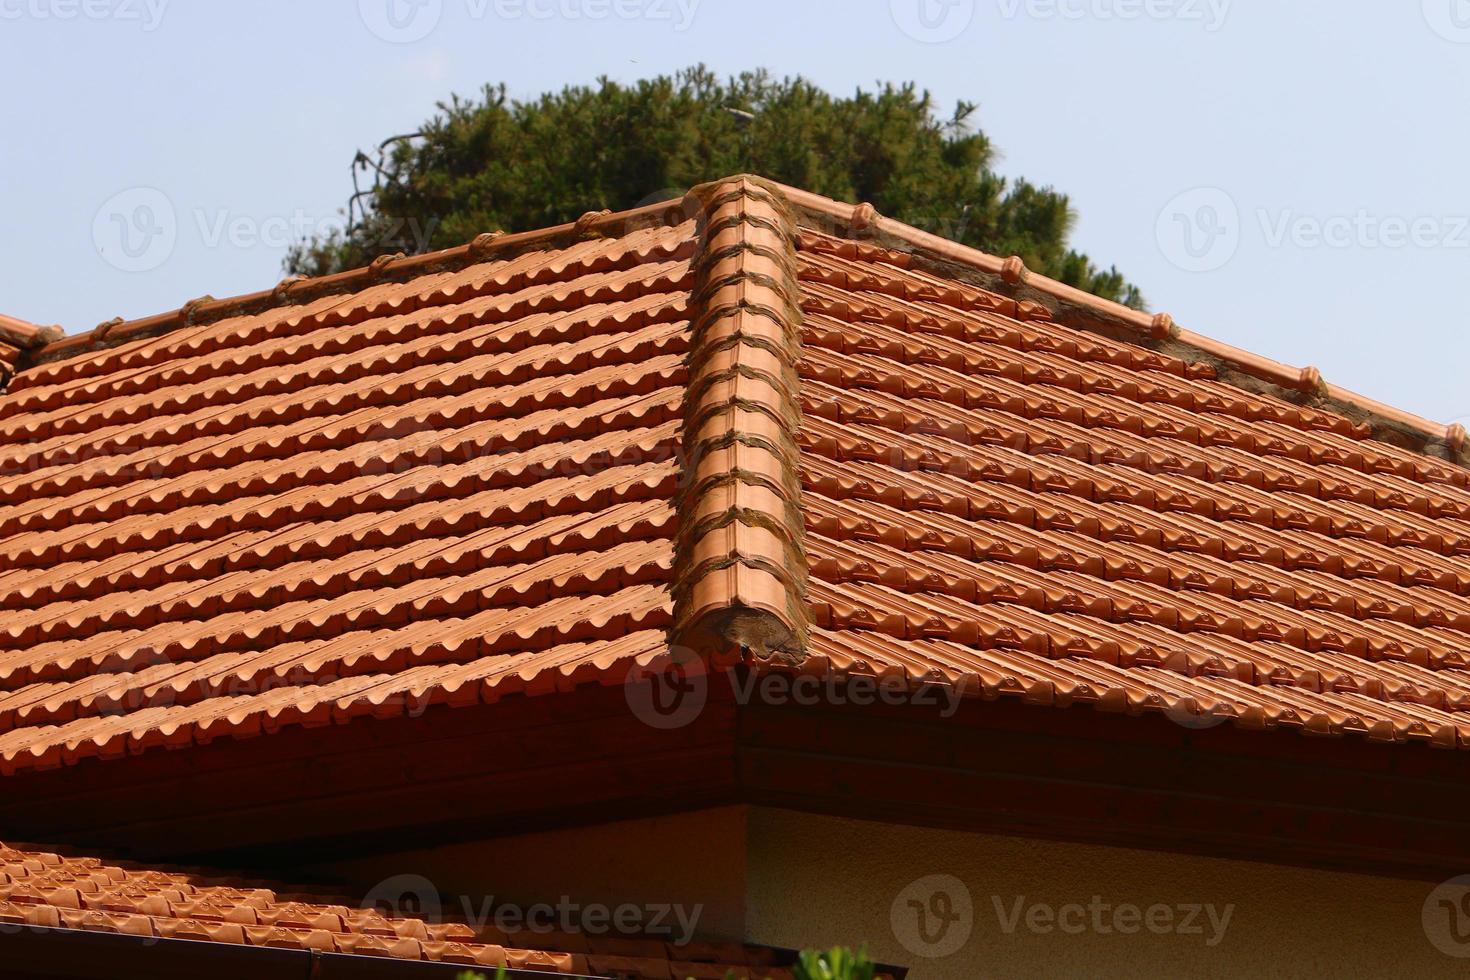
x: 838, y: 963
x: 835, y: 964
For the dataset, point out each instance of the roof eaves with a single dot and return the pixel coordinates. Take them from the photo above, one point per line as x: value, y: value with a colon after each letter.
x: 94, y: 955
x: 739, y: 560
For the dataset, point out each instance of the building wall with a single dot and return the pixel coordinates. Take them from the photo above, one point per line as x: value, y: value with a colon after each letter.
x: 823, y: 881
x: 1035, y: 908
x: 693, y: 860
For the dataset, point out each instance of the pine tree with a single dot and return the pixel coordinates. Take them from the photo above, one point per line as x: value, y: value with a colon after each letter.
x: 493, y: 163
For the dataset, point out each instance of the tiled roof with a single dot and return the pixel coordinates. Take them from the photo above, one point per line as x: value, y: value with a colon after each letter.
x: 996, y: 497
x: 757, y: 418
x: 436, y: 490
x: 42, y: 888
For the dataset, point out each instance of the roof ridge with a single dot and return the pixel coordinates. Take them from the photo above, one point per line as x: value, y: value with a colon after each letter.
x: 740, y: 565
x: 24, y: 334
x: 17, y: 338
x: 294, y: 290
x: 1007, y: 276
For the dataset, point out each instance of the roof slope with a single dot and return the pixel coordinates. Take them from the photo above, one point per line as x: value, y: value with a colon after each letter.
x: 453, y: 486
x: 995, y: 497
x: 752, y: 422
x: 40, y: 887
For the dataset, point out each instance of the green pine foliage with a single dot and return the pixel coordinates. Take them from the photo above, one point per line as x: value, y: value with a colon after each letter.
x: 492, y: 163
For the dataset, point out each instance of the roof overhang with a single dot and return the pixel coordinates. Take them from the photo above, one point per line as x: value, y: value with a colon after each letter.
x: 991, y: 766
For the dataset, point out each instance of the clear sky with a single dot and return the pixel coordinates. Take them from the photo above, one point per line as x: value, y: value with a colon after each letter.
x: 1287, y: 176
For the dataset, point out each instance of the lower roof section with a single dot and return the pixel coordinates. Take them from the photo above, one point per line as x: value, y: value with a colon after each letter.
x: 56, y: 907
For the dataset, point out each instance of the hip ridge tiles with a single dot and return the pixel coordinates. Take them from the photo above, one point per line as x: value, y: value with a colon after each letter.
x: 740, y: 563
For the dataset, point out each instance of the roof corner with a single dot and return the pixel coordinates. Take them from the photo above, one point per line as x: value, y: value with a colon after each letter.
x: 17, y: 339
x: 24, y: 335
x: 740, y: 560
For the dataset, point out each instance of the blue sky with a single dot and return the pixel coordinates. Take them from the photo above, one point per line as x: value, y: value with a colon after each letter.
x: 1288, y: 177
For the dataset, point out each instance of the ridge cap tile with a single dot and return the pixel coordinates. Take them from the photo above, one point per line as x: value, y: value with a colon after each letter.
x: 740, y: 564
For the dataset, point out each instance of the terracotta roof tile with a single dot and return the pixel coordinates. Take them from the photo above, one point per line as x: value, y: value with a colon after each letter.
x: 433, y: 491
x: 994, y: 500
x: 754, y: 423
x: 62, y: 890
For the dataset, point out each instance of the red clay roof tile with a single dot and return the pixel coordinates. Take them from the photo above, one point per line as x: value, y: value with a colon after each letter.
x: 41, y: 887
x: 797, y: 429
x: 435, y: 491
x: 1177, y: 549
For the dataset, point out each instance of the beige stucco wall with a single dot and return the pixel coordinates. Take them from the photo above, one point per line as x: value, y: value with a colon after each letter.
x: 790, y: 879
x: 693, y: 860
x: 825, y: 881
